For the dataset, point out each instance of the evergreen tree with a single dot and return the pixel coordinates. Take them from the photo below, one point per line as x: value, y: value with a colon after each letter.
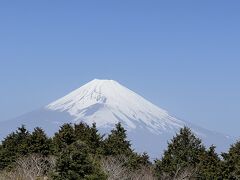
x: 116, y: 143
x: 13, y: 146
x: 183, y: 151
x: 82, y: 131
x: 75, y: 163
x: 40, y: 143
x: 2, y: 161
x: 137, y: 161
x: 8, y: 153
x: 95, y: 141
x: 90, y: 136
x: 209, y: 166
x: 64, y: 137
x: 231, y: 162
x: 23, y: 140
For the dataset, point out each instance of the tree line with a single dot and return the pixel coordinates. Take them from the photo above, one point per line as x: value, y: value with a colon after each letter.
x: 79, y: 152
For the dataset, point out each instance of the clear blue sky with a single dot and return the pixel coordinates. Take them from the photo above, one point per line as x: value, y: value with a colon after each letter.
x: 183, y: 56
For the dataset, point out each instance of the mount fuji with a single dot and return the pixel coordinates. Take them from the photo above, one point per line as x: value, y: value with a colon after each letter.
x: 106, y: 102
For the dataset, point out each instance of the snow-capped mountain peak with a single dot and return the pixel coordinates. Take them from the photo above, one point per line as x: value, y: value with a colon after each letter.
x: 107, y: 102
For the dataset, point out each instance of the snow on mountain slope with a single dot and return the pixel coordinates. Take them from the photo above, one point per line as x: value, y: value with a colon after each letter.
x: 107, y: 102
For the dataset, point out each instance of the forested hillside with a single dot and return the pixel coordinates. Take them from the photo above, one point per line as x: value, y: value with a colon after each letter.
x: 81, y: 152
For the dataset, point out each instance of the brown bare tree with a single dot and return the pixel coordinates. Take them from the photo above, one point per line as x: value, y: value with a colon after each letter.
x: 182, y: 173
x: 114, y: 167
x: 31, y: 167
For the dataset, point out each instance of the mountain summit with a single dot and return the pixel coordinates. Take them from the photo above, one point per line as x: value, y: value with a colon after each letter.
x: 106, y: 102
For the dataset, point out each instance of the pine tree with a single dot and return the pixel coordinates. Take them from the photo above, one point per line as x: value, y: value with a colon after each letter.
x: 95, y: 141
x: 8, y: 153
x: 64, y: 137
x: 90, y: 136
x: 82, y: 131
x: 40, y: 143
x: 75, y: 163
x: 209, y: 166
x: 13, y: 146
x: 116, y: 143
x: 2, y: 163
x: 137, y: 161
x: 231, y: 162
x: 23, y: 140
x: 183, y: 151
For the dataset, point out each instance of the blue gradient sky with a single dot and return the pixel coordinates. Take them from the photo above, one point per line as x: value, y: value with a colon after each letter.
x: 183, y: 56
